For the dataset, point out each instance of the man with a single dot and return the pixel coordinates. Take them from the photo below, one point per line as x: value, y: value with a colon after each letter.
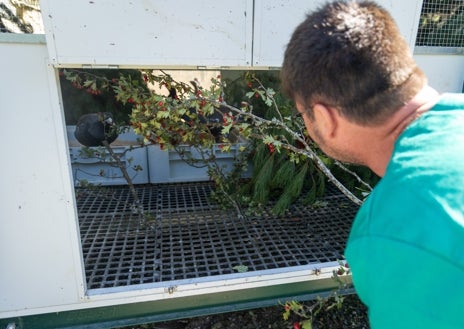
x: 364, y: 101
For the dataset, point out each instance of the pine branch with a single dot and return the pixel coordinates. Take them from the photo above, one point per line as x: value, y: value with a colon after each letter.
x: 307, y: 151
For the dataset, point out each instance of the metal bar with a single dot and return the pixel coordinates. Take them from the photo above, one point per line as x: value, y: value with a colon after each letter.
x: 431, y: 50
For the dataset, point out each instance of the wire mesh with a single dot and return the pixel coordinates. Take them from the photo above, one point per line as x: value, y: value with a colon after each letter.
x: 441, y: 24
x: 191, y: 237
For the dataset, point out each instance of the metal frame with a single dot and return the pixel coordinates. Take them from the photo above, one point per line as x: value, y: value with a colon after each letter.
x: 191, y: 239
x: 171, y: 309
x: 429, y: 50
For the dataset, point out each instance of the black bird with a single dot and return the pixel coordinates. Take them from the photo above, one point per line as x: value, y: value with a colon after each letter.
x: 94, y: 128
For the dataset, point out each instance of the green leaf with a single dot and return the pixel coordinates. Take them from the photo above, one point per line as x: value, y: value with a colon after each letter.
x: 268, y: 139
x: 307, y: 324
x: 250, y: 94
x: 240, y: 268
x: 226, y: 148
x: 268, y: 101
x: 270, y: 92
x: 226, y: 129
x: 208, y: 109
x: 286, y: 315
x: 88, y: 83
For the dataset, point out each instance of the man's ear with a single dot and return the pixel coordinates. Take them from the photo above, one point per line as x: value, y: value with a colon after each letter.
x: 327, y: 119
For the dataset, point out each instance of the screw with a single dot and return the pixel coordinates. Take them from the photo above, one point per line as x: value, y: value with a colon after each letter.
x: 172, y: 289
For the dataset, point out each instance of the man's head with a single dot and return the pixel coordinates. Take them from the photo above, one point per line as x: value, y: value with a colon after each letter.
x: 352, y: 57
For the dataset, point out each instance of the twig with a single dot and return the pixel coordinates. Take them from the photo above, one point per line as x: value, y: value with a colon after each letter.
x: 343, y: 167
x: 307, y: 151
x: 138, y: 207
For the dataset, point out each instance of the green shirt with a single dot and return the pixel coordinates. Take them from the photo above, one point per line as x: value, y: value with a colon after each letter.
x: 406, y: 246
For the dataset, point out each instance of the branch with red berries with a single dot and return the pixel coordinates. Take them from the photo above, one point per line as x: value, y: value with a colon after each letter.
x: 182, y: 116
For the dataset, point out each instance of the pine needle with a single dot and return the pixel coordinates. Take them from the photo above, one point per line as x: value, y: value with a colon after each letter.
x: 282, y: 204
x: 310, y: 197
x: 261, y: 191
x: 320, y: 184
x: 260, y: 157
x: 291, y: 191
x: 296, y: 184
x: 282, y: 175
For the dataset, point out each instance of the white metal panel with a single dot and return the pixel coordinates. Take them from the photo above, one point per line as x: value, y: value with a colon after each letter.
x: 177, y: 33
x: 40, y: 251
x: 275, y: 21
x: 39, y: 246
x: 445, y: 72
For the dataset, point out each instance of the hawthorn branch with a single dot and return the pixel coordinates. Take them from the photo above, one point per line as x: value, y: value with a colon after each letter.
x: 257, y: 122
x: 138, y: 208
x: 352, y: 173
x: 307, y: 151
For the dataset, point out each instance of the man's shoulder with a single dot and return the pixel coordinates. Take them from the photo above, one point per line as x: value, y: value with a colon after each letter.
x: 452, y: 100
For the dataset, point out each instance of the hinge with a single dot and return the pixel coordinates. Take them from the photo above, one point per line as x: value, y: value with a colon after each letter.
x: 97, y: 66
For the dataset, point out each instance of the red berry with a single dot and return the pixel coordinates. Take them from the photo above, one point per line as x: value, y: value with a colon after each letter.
x: 296, y: 325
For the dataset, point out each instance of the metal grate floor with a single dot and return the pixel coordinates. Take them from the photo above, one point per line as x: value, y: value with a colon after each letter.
x: 191, y: 237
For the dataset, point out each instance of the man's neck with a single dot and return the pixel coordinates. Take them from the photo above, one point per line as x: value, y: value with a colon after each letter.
x: 385, y: 137
x: 422, y: 102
